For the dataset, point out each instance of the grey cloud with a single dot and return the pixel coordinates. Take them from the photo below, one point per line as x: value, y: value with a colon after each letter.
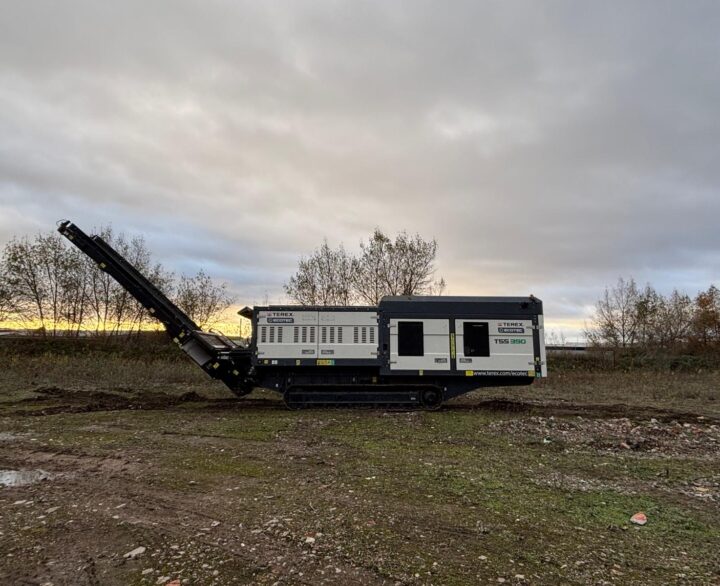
x: 548, y: 147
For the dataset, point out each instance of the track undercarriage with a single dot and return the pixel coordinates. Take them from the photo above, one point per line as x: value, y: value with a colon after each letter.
x: 427, y: 397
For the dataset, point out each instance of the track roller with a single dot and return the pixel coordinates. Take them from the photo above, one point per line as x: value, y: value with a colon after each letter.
x: 431, y: 398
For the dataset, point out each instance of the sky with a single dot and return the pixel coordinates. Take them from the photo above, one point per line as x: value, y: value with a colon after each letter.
x: 548, y: 147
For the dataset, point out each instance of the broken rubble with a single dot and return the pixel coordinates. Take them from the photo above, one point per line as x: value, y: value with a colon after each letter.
x: 138, y: 551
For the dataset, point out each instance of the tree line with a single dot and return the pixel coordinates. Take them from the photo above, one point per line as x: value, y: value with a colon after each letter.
x: 384, y: 266
x: 628, y: 316
x: 49, y: 286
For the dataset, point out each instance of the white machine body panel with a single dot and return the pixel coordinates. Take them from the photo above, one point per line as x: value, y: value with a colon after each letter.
x: 312, y: 335
x: 287, y: 334
x: 348, y: 335
x: 434, y: 350
x: 509, y: 346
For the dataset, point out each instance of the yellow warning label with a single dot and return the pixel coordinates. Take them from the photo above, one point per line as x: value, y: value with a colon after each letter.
x: 325, y: 362
x: 469, y: 373
x: 452, y: 346
x: 531, y: 373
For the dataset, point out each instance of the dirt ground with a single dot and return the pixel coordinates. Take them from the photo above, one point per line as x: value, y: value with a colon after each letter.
x: 517, y: 486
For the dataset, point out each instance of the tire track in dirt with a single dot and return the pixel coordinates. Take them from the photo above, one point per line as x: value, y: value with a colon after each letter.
x: 593, y: 410
x: 56, y: 400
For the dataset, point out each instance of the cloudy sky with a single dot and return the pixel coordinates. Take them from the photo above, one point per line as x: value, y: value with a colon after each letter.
x: 549, y: 147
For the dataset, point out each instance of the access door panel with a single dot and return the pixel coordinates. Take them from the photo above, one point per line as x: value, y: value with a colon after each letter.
x: 419, y: 344
x: 494, y: 345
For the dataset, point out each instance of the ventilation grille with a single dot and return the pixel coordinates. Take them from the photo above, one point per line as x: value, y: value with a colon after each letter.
x: 273, y: 334
x: 309, y: 334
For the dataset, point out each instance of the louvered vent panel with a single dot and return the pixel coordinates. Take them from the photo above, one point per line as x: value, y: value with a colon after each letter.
x: 263, y: 334
x: 296, y: 334
x: 304, y: 334
x: 340, y: 331
x: 356, y: 335
x: 312, y: 334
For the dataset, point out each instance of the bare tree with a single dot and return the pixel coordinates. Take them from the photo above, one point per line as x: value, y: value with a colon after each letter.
x: 202, y: 299
x: 615, y: 321
x: 410, y: 266
x: 555, y: 338
x: 47, y: 283
x: 405, y: 266
x: 128, y: 314
x: 6, y: 295
x: 329, y: 276
x: 647, y: 319
x: 25, y: 280
x: 705, y: 327
x: 110, y: 308
x: 54, y: 287
x: 648, y: 307
x: 674, y: 322
x: 370, y: 277
x: 326, y: 277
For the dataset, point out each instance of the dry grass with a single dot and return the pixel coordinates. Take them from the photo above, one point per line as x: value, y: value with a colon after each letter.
x: 695, y: 392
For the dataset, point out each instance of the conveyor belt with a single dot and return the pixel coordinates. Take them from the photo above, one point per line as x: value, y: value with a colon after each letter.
x: 217, y: 355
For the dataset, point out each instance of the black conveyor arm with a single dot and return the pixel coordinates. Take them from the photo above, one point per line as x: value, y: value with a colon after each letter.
x: 216, y: 354
x: 130, y: 279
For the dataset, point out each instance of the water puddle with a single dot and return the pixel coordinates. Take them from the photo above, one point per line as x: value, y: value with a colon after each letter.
x: 22, y: 477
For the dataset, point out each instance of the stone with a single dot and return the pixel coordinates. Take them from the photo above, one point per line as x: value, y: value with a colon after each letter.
x: 138, y: 551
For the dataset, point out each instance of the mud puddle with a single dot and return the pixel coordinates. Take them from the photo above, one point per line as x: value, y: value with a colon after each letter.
x: 11, y: 478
